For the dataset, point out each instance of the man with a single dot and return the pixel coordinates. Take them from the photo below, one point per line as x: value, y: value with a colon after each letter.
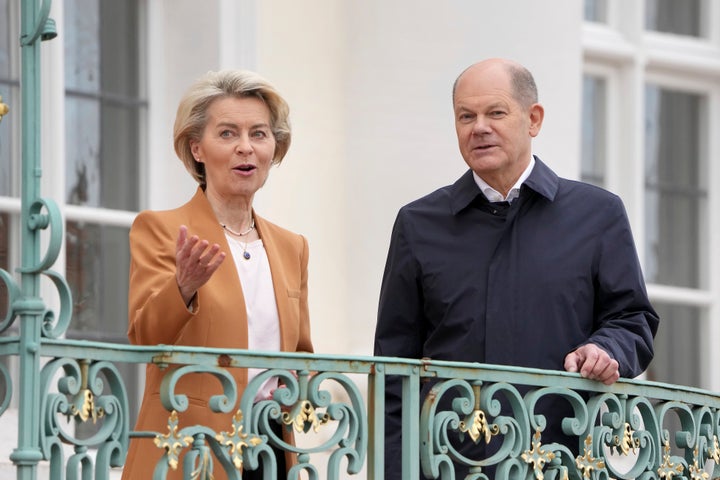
x: 511, y: 264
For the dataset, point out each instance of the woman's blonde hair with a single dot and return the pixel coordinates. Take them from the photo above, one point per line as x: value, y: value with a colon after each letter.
x: 191, y: 117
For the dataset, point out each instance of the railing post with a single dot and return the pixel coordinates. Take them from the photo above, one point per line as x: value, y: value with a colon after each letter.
x: 35, y: 26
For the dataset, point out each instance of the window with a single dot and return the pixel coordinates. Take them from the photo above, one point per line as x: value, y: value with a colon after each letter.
x: 675, y: 198
x: 105, y: 112
x: 675, y: 210
x: 680, y: 17
x: 594, y: 140
x: 650, y: 103
x: 596, y: 11
x: 10, y: 92
x: 9, y: 148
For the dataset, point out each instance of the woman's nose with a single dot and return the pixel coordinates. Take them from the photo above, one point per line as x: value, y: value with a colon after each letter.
x: 243, y: 146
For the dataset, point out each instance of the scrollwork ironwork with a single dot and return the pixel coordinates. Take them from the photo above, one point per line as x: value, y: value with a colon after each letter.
x: 85, y: 391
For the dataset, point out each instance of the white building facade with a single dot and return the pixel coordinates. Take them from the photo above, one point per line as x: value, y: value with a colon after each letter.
x: 631, y: 90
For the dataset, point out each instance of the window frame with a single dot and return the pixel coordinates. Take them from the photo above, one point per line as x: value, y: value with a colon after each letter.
x: 629, y: 57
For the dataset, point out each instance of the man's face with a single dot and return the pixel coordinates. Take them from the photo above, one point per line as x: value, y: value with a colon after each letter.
x: 494, y: 130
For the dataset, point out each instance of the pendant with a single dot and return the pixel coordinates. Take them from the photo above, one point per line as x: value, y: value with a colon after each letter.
x: 246, y: 255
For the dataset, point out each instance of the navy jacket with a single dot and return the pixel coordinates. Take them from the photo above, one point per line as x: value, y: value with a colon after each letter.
x: 466, y: 280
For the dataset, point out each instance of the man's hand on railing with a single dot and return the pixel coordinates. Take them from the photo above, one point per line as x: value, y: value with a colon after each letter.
x: 594, y: 363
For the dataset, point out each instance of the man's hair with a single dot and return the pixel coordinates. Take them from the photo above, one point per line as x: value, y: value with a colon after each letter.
x: 524, y: 89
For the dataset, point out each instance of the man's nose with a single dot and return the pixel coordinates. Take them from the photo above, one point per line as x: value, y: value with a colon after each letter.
x: 481, y: 126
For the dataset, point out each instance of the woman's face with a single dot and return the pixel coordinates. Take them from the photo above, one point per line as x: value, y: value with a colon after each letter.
x: 236, y: 147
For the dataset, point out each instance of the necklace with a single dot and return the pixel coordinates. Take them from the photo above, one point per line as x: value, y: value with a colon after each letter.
x: 240, y: 234
x: 246, y: 254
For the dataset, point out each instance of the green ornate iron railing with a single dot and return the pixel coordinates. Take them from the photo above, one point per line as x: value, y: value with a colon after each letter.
x: 633, y: 429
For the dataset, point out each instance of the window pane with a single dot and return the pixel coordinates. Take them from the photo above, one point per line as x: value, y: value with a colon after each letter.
x: 104, y: 110
x: 10, y: 96
x: 98, y: 259
x: 680, y: 331
x: 82, y: 170
x: 675, y: 195
x: 596, y: 11
x: 4, y: 259
x: 594, y: 120
x: 9, y: 259
x: 9, y: 162
x: 681, y: 17
x: 82, y: 46
x: 5, y: 16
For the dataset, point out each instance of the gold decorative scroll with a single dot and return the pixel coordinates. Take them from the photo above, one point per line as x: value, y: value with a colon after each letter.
x: 668, y: 469
x: 587, y: 463
x: 237, y: 440
x: 172, y: 442
x: 476, y: 425
x: 627, y: 443
x: 538, y: 457
x: 697, y: 471
x: 4, y: 109
x: 305, y: 418
x: 87, y: 410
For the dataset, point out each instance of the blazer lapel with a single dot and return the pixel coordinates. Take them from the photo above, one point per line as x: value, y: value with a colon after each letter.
x: 225, y: 279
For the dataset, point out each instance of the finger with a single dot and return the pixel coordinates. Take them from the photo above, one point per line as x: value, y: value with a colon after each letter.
x: 610, y: 374
x: 590, y: 364
x: 572, y: 362
x: 208, y: 253
x: 216, y: 262
x: 182, y: 236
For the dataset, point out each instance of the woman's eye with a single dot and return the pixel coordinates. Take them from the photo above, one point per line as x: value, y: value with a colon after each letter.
x: 260, y: 134
x: 226, y: 133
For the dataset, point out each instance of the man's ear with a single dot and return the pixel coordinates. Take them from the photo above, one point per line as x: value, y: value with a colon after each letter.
x: 537, y: 113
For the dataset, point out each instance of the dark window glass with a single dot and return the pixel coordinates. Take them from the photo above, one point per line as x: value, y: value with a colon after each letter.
x: 675, y: 195
x: 104, y: 107
x: 680, y: 331
x: 10, y: 93
x: 97, y: 272
x: 596, y: 11
x: 4, y: 260
x: 594, y: 120
x: 681, y: 17
x: 104, y: 114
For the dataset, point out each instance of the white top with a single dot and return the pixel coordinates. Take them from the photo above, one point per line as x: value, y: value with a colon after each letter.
x: 262, y: 313
x: 495, y: 196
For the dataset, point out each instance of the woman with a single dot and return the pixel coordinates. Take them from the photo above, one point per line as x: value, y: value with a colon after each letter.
x: 213, y: 273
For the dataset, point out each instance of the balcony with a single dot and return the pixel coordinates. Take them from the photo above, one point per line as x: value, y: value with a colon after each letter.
x: 632, y: 429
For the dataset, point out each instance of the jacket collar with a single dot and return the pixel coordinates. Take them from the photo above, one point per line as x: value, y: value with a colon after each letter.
x: 542, y: 180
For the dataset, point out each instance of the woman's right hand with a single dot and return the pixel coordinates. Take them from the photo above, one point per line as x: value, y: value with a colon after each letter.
x: 195, y: 262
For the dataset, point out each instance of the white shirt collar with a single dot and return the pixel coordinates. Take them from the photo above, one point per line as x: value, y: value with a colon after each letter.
x: 495, y: 196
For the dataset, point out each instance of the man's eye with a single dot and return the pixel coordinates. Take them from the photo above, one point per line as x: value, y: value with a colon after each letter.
x: 466, y: 116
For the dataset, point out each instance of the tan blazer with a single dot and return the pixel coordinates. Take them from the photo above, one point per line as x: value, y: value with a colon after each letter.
x: 158, y: 315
